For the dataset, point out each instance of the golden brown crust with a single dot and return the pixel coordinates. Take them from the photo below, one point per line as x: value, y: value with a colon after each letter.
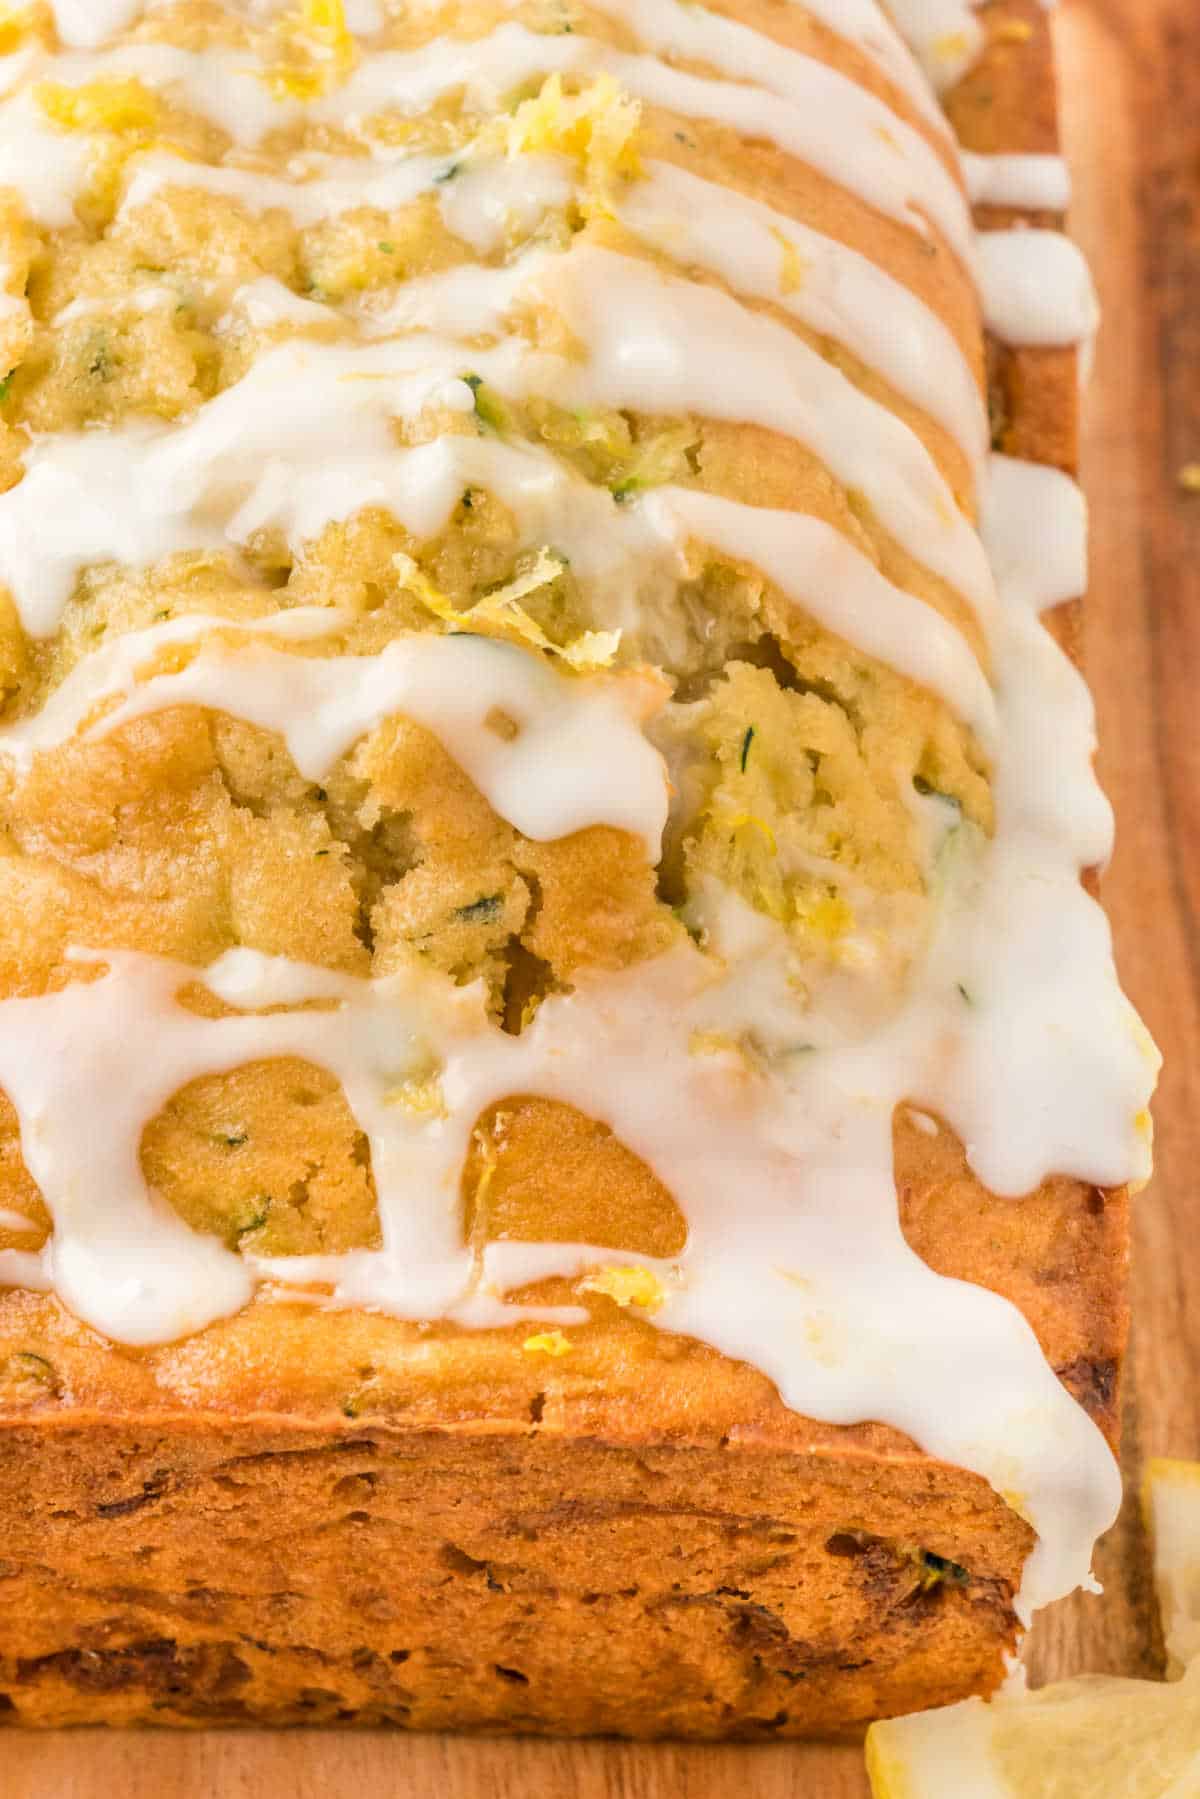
x: 305, y: 1517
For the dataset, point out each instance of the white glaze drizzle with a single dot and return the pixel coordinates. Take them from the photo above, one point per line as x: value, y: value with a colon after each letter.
x: 1050, y: 509
x: 809, y: 561
x: 110, y: 672
x: 487, y: 198
x: 839, y: 292
x: 672, y: 346
x: 47, y: 168
x: 83, y: 24
x: 945, y: 34
x: 1036, y: 287
x: 817, y: 566
x: 667, y: 346
x: 891, y: 166
x: 1015, y: 1032
x: 346, y: 182
x: 577, y: 758
x: 865, y: 24
x: 86, y: 24
x: 1037, y: 183
x: 161, y: 495
x: 822, y: 93
x: 265, y: 303
x: 163, y: 490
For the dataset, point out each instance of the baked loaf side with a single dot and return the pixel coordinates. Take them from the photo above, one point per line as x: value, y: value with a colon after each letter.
x: 568, y: 1112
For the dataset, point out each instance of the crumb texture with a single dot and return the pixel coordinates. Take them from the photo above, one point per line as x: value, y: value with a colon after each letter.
x: 518, y: 1584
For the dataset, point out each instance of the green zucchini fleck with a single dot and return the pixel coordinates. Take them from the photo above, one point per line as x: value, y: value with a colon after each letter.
x: 936, y: 1570
x: 928, y: 791
x: 356, y: 1403
x: 25, y: 1365
x: 256, y: 1216
x: 484, y: 910
x: 490, y: 409
x: 100, y: 367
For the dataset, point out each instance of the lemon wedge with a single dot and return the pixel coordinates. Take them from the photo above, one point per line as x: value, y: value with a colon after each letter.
x: 1171, y: 1506
x: 1095, y: 1737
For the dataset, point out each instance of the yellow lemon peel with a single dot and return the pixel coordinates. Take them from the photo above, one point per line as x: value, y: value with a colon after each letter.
x: 320, y: 48
x: 630, y: 1286
x: 551, y: 1343
x: 598, y: 127
x: 826, y: 916
x: 491, y: 1162
x: 501, y: 614
x: 750, y: 821
x: 420, y: 1094
x: 791, y: 274
x: 950, y: 46
x: 119, y: 111
x: 112, y: 103
x: 16, y: 22
x: 1170, y: 1499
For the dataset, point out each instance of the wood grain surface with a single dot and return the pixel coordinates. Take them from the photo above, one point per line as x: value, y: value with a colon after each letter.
x: 1131, y: 116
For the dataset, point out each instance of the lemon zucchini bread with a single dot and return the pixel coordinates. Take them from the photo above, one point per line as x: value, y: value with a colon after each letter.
x: 568, y: 1115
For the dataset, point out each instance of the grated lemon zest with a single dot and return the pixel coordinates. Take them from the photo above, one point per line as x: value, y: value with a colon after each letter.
x: 950, y: 46
x: 655, y: 461
x: 828, y: 917
x: 421, y: 1094
x: 118, y: 110
x: 16, y: 22
x: 750, y: 821
x: 631, y: 1286
x: 117, y: 104
x: 551, y: 1343
x: 598, y: 127
x: 791, y: 274
x: 491, y: 1162
x: 317, y: 35
x: 501, y: 613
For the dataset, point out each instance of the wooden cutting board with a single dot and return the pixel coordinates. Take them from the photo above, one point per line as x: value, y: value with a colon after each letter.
x: 1131, y: 106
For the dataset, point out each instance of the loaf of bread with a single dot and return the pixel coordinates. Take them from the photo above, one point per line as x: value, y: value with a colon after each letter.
x: 567, y: 1115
